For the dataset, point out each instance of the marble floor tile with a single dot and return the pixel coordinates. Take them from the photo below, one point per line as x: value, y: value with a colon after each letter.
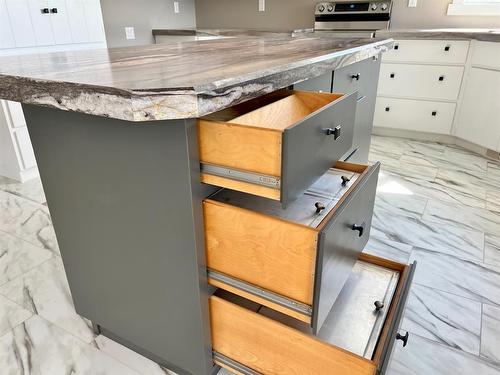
x: 449, y: 159
x: 403, y: 204
x: 27, y: 220
x: 39, y: 348
x: 45, y: 291
x: 385, y: 248
x: 31, y: 189
x: 428, y: 189
x: 441, y: 237
x: 130, y: 358
x: 18, y: 256
x: 492, y: 250
x: 404, y: 169
x: 466, y: 278
x: 11, y: 315
x: 493, y: 200
x: 424, y: 357
x: 490, y: 334
x: 465, y: 217
x: 465, y: 181
x: 443, y: 317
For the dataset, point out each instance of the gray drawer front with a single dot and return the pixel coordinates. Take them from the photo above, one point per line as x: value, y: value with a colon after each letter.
x: 339, y: 245
x: 396, y: 323
x: 308, y: 152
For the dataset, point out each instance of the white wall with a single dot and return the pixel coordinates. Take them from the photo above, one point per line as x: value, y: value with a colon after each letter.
x: 144, y: 15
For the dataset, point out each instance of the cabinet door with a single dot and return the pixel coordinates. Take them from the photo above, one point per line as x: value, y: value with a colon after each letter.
x: 478, y: 120
x: 41, y: 22
x: 323, y: 83
x: 75, y: 10
x: 60, y: 23
x: 6, y: 35
x: 20, y: 21
x: 93, y: 15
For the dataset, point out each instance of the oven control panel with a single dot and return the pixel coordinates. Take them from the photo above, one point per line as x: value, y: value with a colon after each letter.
x: 354, y: 7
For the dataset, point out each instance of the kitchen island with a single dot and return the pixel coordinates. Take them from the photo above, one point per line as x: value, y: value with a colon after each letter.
x: 116, y: 140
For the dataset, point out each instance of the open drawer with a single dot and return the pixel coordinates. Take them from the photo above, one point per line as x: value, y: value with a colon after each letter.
x: 357, y: 338
x: 294, y: 260
x: 277, y: 145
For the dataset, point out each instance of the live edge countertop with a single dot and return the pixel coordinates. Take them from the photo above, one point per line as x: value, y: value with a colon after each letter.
x: 175, y: 80
x: 485, y: 35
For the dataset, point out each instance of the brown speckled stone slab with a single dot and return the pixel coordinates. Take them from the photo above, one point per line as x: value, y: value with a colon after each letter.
x: 175, y: 80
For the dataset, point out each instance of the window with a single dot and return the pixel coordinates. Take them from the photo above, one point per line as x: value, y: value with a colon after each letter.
x: 474, y: 8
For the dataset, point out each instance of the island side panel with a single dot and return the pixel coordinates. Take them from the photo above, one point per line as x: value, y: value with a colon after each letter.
x: 125, y: 199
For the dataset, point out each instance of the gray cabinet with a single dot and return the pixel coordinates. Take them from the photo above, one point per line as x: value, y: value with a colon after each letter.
x: 363, y: 78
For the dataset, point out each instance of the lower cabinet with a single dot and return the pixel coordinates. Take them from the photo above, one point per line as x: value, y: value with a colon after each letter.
x: 357, y: 338
x: 415, y: 115
x: 478, y: 118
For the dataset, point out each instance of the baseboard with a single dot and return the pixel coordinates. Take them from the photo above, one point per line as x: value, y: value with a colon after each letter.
x: 434, y: 137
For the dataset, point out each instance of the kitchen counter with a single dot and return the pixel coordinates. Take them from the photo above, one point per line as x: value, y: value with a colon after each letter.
x: 175, y: 80
x: 486, y: 35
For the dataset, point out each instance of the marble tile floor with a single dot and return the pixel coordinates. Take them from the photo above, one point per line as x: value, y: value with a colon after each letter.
x: 436, y: 204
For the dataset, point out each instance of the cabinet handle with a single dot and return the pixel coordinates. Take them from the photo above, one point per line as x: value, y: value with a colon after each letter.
x: 45, y: 10
x: 441, y: 78
x: 355, y: 76
x: 403, y: 338
x: 359, y: 228
x: 396, y: 46
x: 392, y: 75
x: 387, y: 109
x: 434, y: 113
x: 53, y: 10
x: 378, y: 305
x: 447, y: 48
x: 334, y: 131
x: 319, y: 207
x: 345, y: 180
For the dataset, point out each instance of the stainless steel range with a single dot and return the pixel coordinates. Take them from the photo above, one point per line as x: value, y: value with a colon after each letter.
x: 353, y: 18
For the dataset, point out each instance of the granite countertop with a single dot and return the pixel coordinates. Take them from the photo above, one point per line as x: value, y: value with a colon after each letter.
x: 486, y: 35
x: 175, y: 80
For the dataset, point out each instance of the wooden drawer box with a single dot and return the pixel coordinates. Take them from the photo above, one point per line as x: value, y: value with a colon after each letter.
x: 357, y: 339
x: 276, y: 146
x: 294, y: 260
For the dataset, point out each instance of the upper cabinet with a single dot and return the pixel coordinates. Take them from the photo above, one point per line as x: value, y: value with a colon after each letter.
x: 41, y: 23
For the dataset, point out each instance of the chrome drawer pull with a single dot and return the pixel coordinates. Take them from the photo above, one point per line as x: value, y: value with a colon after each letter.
x: 345, y: 180
x: 403, y: 338
x: 334, y: 131
x: 378, y: 305
x: 359, y: 228
x: 319, y: 207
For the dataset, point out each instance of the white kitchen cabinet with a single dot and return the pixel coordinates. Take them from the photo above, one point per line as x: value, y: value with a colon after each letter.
x: 486, y: 55
x: 41, y: 22
x: 93, y: 18
x: 20, y: 22
x: 6, y: 36
x: 448, y: 52
x: 414, y: 115
x: 420, y: 81
x: 76, y: 13
x: 60, y: 22
x: 479, y: 115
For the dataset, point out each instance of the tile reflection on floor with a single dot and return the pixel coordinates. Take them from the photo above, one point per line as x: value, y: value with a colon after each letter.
x: 436, y: 204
